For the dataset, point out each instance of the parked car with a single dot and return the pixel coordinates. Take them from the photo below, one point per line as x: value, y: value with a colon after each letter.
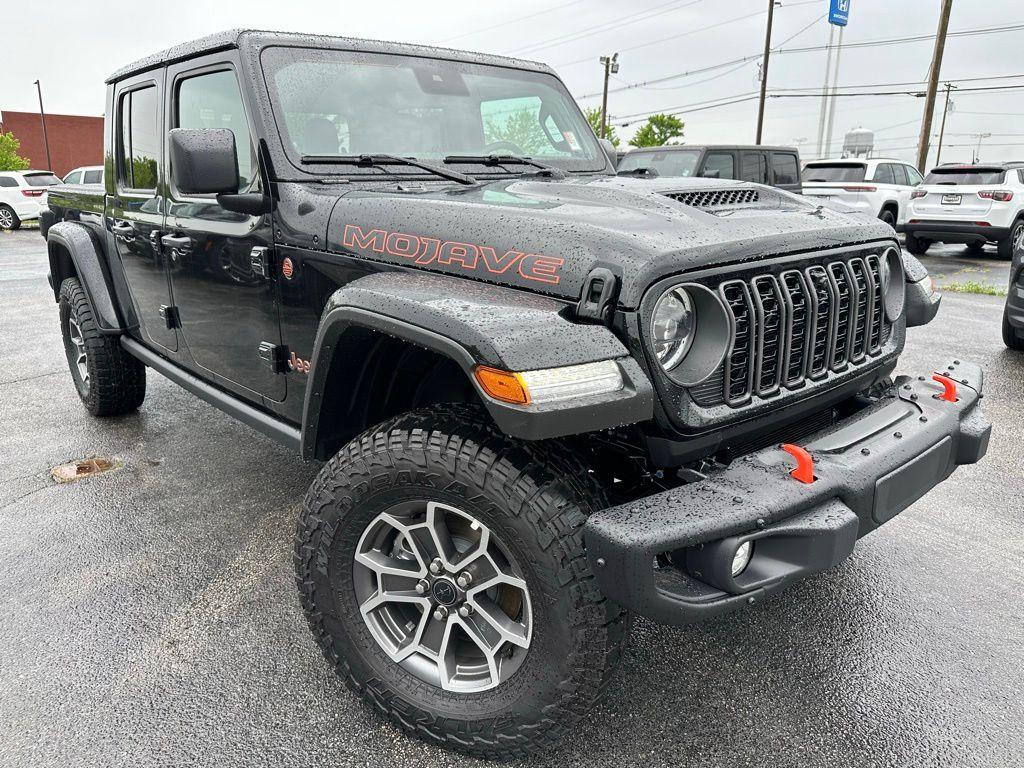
x: 877, y: 186
x: 23, y: 196
x: 546, y: 397
x: 1013, y: 312
x: 774, y: 166
x: 88, y: 174
x: 972, y: 204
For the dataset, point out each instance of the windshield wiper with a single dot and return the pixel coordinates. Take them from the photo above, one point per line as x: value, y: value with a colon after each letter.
x: 498, y: 159
x: 367, y: 161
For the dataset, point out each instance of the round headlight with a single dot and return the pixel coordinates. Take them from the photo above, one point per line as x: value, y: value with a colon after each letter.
x: 672, y: 327
x: 893, y: 289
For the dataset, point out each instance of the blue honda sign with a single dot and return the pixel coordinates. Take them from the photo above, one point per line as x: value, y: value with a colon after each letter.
x: 839, y: 12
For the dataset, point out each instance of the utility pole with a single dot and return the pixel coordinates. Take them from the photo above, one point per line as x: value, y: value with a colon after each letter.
x: 764, y: 69
x: 611, y: 66
x: 42, y: 118
x: 933, y: 85
x: 942, y: 125
x: 822, y: 151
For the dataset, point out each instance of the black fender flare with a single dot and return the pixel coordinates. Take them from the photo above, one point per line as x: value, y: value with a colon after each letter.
x: 477, y: 324
x: 86, y: 262
x: 922, y: 303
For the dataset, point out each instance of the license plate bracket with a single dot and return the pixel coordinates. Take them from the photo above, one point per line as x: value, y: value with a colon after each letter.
x: 951, y: 199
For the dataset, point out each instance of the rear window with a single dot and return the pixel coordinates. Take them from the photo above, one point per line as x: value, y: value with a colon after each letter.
x: 93, y: 177
x: 965, y: 176
x: 834, y: 172
x: 41, y: 179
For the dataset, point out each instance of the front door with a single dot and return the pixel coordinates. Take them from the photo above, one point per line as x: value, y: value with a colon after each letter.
x: 227, y: 303
x: 136, y: 207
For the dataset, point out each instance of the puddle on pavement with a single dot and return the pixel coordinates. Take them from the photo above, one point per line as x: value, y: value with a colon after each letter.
x: 76, y: 470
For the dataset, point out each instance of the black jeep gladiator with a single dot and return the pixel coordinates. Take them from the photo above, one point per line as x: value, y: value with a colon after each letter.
x: 547, y: 398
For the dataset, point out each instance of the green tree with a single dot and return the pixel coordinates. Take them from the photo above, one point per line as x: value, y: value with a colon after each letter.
x: 10, y: 160
x: 520, y: 128
x: 657, y: 131
x: 594, y: 118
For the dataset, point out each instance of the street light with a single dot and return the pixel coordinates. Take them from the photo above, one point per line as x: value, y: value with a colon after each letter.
x: 611, y: 66
x: 42, y: 119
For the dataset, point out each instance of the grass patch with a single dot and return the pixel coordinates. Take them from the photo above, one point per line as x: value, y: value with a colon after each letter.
x: 972, y: 286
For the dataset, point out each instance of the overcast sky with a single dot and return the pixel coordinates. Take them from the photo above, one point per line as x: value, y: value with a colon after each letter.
x: 72, y: 45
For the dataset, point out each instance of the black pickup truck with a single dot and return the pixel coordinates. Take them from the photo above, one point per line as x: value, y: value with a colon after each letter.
x: 547, y: 399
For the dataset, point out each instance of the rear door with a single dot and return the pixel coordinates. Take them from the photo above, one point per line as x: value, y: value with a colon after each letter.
x: 753, y: 166
x: 135, y: 210
x: 227, y: 303
x: 785, y: 171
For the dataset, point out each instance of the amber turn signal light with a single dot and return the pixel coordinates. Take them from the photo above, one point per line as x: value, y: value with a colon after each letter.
x: 502, y: 385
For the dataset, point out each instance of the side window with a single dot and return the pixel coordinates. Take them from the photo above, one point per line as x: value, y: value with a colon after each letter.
x: 140, y: 140
x: 883, y: 174
x: 753, y: 167
x: 1020, y: 175
x: 899, y: 173
x: 8, y: 181
x: 914, y: 177
x: 722, y: 162
x: 73, y: 178
x: 92, y: 177
x: 785, y: 168
x: 213, y: 100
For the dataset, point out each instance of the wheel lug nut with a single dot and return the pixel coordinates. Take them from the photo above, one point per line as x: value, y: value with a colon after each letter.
x: 440, y: 613
x: 436, y: 566
x: 422, y: 586
x: 465, y: 579
x: 465, y: 610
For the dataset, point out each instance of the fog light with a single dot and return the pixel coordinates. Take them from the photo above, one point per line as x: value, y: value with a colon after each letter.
x: 741, y: 559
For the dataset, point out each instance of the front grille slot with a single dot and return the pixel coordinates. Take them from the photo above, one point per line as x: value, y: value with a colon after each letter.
x: 797, y: 325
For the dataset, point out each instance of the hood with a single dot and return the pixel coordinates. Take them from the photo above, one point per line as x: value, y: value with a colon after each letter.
x: 547, y: 235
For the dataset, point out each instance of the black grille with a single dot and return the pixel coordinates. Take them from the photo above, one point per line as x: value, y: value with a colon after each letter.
x: 796, y: 325
x: 716, y: 198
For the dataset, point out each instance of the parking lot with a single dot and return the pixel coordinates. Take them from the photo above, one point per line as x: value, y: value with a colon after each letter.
x: 148, y: 615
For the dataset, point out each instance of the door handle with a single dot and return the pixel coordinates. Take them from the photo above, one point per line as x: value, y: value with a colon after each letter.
x: 123, y: 231
x: 182, y: 244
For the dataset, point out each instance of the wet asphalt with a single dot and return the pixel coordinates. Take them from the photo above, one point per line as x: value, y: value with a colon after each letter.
x: 148, y: 616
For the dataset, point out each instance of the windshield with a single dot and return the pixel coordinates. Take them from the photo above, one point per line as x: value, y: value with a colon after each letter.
x: 330, y: 102
x: 41, y: 179
x: 965, y: 176
x: 834, y: 172
x: 678, y: 162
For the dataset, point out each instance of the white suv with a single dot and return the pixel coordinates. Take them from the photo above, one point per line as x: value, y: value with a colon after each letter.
x: 973, y: 204
x: 87, y: 174
x: 877, y: 186
x: 23, y: 196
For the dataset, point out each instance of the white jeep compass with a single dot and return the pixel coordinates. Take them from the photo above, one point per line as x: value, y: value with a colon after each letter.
x: 972, y: 204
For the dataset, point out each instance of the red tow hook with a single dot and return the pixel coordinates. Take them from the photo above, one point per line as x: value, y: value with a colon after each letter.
x: 948, y: 386
x: 804, y: 471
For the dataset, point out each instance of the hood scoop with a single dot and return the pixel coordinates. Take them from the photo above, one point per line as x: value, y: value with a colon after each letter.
x: 717, y: 198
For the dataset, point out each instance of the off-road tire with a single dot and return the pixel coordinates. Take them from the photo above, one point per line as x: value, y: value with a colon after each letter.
x: 536, y: 497
x: 9, y: 220
x: 117, y: 381
x: 1012, y: 338
x: 1005, y: 246
x: 916, y: 245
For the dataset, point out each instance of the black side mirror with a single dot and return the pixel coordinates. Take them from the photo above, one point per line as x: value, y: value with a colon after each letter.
x: 203, y: 161
x: 712, y: 173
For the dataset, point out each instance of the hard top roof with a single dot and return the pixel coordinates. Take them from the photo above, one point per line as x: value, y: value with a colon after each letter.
x: 677, y: 147
x: 254, y: 39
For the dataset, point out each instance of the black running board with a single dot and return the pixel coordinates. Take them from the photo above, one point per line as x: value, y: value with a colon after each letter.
x: 229, y: 404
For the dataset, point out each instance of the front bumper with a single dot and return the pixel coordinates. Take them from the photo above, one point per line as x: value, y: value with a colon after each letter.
x: 955, y: 231
x: 867, y: 469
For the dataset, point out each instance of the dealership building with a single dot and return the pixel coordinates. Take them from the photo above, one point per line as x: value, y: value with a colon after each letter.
x: 74, y: 140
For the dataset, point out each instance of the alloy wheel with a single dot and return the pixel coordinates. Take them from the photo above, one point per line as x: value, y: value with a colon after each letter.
x: 6, y: 218
x: 443, y: 597
x: 81, y: 358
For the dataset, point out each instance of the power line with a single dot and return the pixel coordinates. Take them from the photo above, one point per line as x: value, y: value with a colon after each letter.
x: 605, y: 26
x: 806, y: 49
x: 510, y: 21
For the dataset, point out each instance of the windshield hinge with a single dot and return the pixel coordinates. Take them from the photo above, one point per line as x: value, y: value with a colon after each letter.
x: 600, y: 290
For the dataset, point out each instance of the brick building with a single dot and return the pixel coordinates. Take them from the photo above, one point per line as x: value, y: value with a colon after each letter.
x: 74, y: 139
